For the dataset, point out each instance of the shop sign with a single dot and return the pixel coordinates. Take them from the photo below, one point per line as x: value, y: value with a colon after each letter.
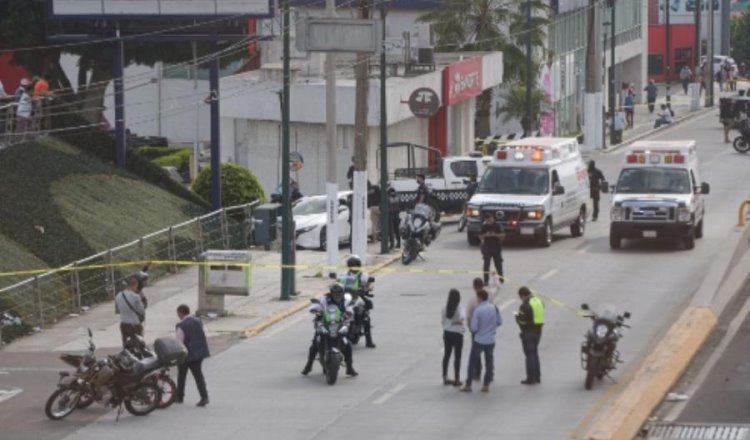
x: 463, y: 80
x: 424, y: 102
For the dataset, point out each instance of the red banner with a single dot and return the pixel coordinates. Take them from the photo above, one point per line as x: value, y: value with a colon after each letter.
x: 462, y: 80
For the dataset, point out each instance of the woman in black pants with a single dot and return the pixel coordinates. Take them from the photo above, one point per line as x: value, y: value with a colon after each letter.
x: 453, y: 335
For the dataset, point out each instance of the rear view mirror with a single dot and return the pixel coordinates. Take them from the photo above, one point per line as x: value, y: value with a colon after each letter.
x: 314, y: 301
x: 584, y: 306
x: 558, y: 190
x: 605, y: 187
x: 91, y: 335
x: 626, y: 315
x: 705, y: 188
x: 332, y: 275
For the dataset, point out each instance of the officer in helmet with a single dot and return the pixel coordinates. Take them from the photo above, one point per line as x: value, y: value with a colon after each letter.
x: 359, y: 284
x: 142, y: 277
x: 336, y: 297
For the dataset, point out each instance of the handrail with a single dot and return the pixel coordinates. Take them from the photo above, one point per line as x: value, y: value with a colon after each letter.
x: 740, y: 215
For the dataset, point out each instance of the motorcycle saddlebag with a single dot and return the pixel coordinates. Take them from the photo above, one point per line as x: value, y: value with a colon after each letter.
x: 170, y: 351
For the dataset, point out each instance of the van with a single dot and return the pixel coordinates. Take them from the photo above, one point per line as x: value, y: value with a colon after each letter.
x: 659, y: 194
x: 534, y: 187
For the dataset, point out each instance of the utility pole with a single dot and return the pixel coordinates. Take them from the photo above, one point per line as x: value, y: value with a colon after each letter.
x: 697, y: 43
x: 710, y: 54
x: 287, y: 269
x: 332, y: 187
x: 215, y: 133
x: 119, y: 69
x: 593, y: 98
x: 612, y: 44
x: 668, y: 57
x: 359, y: 199
x: 527, y: 128
x: 385, y: 220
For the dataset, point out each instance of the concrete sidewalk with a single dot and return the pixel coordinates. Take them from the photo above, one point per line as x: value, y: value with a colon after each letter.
x: 260, y: 308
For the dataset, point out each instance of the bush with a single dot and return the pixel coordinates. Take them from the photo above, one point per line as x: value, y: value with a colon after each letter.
x: 152, y: 153
x: 179, y: 158
x: 238, y: 185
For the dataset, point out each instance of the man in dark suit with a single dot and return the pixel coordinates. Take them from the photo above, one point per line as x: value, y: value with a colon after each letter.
x: 190, y: 332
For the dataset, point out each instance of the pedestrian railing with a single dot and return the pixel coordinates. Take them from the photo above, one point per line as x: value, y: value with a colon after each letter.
x: 47, y: 297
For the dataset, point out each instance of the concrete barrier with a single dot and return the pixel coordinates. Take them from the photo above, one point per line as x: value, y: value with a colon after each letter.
x: 623, y: 418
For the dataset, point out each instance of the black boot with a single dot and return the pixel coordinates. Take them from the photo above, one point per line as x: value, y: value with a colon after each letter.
x: 368, y: 335
x: 307, y: 369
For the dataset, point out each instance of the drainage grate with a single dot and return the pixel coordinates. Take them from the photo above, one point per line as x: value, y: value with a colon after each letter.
x: 699, y: 432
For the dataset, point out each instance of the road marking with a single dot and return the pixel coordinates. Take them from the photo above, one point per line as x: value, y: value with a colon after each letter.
x: 720, y: 350
x: 384, y: 398
x: 549, y: 274
x: 581, y: 251
x: 7, y: 394
x: 6, y: 370
x: 280, y: 328
x: 505, y: 305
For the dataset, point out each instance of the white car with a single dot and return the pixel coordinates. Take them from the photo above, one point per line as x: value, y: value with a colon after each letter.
x: 309, y: 215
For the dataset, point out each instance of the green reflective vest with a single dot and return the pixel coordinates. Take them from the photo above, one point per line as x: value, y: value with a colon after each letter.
x: 537, y: 307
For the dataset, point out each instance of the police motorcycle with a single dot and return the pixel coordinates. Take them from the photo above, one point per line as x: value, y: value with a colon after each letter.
x: 331, y: 328
x: 358, y: 293
x: 599, y: 353
x: 742, y: 142
x: 114, y: 381
x: 168, y: 389
x: 419, y: 229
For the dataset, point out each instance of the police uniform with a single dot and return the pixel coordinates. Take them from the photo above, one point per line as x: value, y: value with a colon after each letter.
x: 356, y: 284
x: 530, y: 319
x: 492, y: 250
x: 346, y: 309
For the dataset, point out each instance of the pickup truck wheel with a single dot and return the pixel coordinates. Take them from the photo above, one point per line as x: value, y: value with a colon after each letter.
x: 579, y: 227
x: 472, y: 238
x: 614, y: 240
x: 545, y: 238
x: 689, y: 241
x: 699, y: 230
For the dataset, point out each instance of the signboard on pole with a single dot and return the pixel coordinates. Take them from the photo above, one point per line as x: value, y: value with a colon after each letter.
x: 424, y: 102
x: 159, y: 9
x: 339, y: 35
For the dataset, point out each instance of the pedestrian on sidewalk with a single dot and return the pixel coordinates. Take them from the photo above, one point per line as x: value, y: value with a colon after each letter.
x: 629, y: 109
x: 530, y: 319
x: 453, y: 336
x: 596, y: 178
x: 492, y: 235
x: 651, y: 92
x: 129, y: 306
x: 373, y: 203
x: 394, y: 213
x: 190, y: 332
x: 471, y: 305
x: 685, y: 75
x: 484, y: 323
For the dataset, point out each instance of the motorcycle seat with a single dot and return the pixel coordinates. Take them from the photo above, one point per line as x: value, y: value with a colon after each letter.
x: 147, y: 365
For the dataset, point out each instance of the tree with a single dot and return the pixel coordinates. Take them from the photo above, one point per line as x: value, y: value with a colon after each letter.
x: 490, y: 25
x: 740, y: 32
x: 514, y: 105
x: 238, y: 185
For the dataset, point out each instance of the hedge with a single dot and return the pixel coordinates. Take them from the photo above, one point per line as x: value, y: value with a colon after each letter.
x: 238, y: 185
x: 179, y: 158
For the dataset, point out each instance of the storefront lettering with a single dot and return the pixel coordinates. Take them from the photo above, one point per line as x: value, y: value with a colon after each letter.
x: 465, y: 82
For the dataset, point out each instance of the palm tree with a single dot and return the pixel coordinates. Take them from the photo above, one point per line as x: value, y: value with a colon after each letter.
x: 490, y: 25
x: 514, y: 105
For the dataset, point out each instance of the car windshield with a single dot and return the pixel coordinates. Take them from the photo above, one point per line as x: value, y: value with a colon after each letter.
x: 309, y: 206
x: 654, y: 180
x: 514, y: 180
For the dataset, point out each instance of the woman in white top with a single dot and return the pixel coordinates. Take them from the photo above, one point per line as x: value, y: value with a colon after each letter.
x: 453, y: 335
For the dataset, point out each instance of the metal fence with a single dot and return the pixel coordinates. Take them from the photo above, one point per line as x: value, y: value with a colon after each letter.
x: 45, y: 298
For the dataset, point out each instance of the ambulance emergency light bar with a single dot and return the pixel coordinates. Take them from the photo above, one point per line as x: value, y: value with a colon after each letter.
x: 655, y: 157
x: 523, y: 152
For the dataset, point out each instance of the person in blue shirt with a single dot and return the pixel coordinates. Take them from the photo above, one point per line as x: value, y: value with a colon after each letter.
x: 484, y: 323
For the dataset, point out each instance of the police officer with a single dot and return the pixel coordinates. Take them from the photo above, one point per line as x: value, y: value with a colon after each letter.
x: 596, y: 177
x: 492, y: 235
x: 530, y: 318
x: 422, y: 190
x: 335, y: 296
x: 359, y: 284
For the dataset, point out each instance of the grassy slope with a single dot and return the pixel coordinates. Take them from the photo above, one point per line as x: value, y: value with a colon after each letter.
x: 14, y: 257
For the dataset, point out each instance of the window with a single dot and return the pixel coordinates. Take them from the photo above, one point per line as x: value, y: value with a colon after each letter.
x: 655, y: 64
x: 464, y: 168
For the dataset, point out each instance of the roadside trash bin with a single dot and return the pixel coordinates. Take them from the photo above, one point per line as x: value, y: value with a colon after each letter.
x: 264, y: 229
x: 222, y: 273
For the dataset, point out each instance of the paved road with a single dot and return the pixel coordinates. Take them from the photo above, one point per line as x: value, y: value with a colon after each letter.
x: 257, y: 391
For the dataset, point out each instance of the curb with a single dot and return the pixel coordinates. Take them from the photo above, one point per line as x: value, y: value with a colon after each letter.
x: 289, y: 311
x: 623, y: 418
x: 653, y: 131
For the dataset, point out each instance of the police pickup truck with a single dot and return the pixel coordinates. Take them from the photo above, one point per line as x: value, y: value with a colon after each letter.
x: 659, y: 194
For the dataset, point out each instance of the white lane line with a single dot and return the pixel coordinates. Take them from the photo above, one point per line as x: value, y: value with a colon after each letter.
x: 384, y: 398
x: 582, y: 250
x: 505, y: 305
x: 286, y: 325
x: 549, y: 274
x: 4, y: 372
x: 7, y: 394
x: 720, y: 350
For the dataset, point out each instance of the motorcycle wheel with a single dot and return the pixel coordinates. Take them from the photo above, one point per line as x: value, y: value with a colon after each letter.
x: 85, y: 401
x: 143, y: 399
x: 462, y: 223
x: 167, y: 390
x: 406, y: 256
x: 332, y: 369
x: 62, y: 403
x: 741, y: 145
x: 592, y: 370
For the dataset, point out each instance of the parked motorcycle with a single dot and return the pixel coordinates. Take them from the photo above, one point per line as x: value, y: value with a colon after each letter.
x: 168, y: 389
x: 599, y: 353
x: 742, y: 142
x: 114, y: 381
x: 418, y: 231
x: 331, y: 327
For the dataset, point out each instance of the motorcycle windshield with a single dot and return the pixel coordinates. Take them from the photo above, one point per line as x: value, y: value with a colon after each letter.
x: 423, y: 210
x: 332, y: 314
x: 608, y: 313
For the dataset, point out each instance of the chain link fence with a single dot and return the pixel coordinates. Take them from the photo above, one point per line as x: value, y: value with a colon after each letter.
x: 44, y: 299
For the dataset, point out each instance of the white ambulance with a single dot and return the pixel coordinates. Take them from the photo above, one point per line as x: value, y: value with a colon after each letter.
x: 533, y: 186
x: 659, y: 194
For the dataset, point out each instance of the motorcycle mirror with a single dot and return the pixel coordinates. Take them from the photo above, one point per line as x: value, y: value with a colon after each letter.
x: 314, y: 300
x: 626, y: 315
x: 332, y: 275
x: 584, y: 306
x: 90, y: 334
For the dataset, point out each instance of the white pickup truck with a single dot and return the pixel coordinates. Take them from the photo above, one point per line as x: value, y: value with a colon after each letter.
x: 446, y: 177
